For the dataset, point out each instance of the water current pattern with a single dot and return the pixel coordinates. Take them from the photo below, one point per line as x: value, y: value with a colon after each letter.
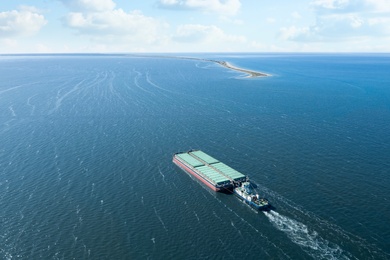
x: 86, y: 145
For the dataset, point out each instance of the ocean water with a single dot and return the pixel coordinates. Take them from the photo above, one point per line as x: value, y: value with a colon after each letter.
x: 86, y: 144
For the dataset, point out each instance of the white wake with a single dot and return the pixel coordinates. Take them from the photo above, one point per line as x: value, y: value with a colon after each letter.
x: 309, y: 241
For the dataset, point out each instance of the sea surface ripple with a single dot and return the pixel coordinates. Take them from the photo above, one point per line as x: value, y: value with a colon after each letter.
x: 86, y: 150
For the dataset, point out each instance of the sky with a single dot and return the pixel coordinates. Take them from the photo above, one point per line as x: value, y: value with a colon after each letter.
x: 169, y: 26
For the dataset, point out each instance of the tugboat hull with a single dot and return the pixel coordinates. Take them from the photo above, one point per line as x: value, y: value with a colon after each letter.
x: 246, y: 193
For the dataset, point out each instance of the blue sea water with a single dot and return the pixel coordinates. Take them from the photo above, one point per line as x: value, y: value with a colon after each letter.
x: 86, y: 144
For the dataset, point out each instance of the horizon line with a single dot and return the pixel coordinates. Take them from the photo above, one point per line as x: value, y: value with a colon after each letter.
x: 185, y: 52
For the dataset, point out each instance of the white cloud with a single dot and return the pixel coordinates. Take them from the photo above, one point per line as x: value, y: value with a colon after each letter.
x: 379, y: 5
x: 331, y: 4
x: 297, y: 33
x: 196, y: 33
x: 89, y: 5
x: 169, y: 2
x: 229, y: 20
x: 42, y: 48
x: 224, y: 7
x: 270, y: 20
x: 257, y: 45
x: 104, y: 24
x: 380, y: 21
x: 135, y: 31
x: 116, y: 25
x: 343, y: 20
x: 31, y: 9
x: 199, y: 37
x: 9, y: 43
x: 24, y: 22
x: 296, y: 15
x: 332, y: 27
x: 349, y: 6
x: 355, y: 21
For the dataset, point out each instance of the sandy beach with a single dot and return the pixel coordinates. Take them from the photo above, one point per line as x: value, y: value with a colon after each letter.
x: 251, y: 74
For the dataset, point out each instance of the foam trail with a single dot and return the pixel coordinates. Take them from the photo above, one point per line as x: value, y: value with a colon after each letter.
x: 163, y: 176
x: 159, y: 218
x: 16, y: 87
x: 196, y: 215
x: 29, y: 104
x: 309, y: 241
x: 12, y: 111
x: 60, y: 99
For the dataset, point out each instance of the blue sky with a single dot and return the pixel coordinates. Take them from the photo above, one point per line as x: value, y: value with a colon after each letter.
x: 64, y: 26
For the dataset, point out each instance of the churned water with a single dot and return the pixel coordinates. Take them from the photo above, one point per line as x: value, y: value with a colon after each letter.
x: 86, y: 143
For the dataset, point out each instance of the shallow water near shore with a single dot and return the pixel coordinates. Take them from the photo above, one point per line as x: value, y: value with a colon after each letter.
x: 87, y: 141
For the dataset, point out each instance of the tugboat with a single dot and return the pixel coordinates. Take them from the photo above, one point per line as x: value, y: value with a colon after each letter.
x: 246, y: 192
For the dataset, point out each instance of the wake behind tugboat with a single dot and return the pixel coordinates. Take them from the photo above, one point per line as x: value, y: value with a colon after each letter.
x: 220, y: 177
x: 306, y: 238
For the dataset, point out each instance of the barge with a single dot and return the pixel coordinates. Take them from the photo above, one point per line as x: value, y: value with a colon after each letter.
x: 213, y: 173
x: 220, y: 177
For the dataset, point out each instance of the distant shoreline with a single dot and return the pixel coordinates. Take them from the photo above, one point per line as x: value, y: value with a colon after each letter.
x: 251, y: 73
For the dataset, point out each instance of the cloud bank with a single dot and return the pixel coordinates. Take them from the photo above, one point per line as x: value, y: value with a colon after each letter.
x: 23, y: 22
x: 89, y: 5
x: 223, y: 7
x: 343, y: 20
x: 103, y: 23
x: 207, y: 35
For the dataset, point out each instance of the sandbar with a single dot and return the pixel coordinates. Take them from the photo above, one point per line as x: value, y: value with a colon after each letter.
x: 251, y: 73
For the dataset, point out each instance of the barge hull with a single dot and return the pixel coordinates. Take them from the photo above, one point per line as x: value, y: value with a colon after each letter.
x: 193, y: 173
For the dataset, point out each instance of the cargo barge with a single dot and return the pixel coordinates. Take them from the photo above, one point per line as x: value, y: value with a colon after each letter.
x: 213, y: 173
x: 220, y: 177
